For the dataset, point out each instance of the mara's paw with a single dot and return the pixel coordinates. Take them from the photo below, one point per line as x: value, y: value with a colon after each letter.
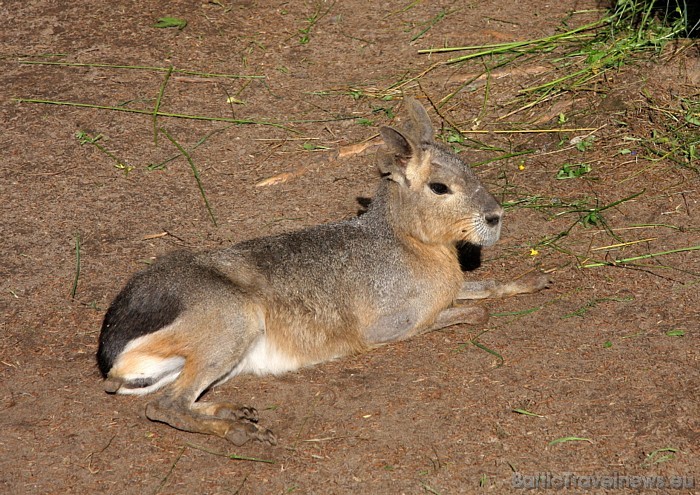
x: 534, y: 282
x: 226, y: 410
x: 240, y: 433
x: 266, y: 436
x: 233, y: 411
x: 112, y: 385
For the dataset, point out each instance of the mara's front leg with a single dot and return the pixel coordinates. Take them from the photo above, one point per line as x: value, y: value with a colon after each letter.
x: 527, y: 284
x: 461, y: 313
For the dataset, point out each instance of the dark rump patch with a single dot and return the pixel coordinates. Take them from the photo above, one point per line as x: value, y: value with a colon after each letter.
x: 139, y: 309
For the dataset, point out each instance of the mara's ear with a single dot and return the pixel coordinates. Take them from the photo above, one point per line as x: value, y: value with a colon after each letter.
x: 393, y: 160
x: 403, y: 160
x: 419, y: 125
x: 399, y: 145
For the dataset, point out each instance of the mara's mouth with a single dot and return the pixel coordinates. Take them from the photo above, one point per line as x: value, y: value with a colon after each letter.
x: 489, y: 240
x: 482, y: 233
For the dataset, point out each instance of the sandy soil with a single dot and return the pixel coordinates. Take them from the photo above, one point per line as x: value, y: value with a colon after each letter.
x: 609, y: 354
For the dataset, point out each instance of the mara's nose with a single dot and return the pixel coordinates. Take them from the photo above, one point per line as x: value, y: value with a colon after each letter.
x: 489, y: 207
x: 493, y: 218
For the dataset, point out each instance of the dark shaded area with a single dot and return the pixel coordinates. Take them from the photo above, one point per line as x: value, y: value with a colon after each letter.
x: 687, y: 10
x: 469, y: 256
x: 364, y: 205
x: 668, y: 12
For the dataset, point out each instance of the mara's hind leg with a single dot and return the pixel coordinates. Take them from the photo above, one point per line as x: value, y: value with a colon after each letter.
x: 217, y: 343
x: 461, y: 314
x: 178, y: 408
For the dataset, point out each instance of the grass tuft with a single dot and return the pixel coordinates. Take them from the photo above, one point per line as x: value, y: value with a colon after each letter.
x: 582, y: 56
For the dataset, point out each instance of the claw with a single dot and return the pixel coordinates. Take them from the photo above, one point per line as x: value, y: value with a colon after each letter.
x: 267, y: 437
x: 247, y: 413
x: 230, y: 411
x: 240, y: 433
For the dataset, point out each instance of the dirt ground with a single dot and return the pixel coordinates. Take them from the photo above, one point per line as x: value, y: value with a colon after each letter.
x: 608, y: 355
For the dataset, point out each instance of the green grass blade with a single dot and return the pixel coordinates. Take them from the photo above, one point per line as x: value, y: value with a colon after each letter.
x: 443, y: 13
x: 642, y: 257
x: 234, y: 457
x: 529, y: 45
x: 74, y: 288
x: 195, y: 172
x: 501, y: 47
x: 148, y: 112
x: 527, y: 413
x: 170, y: 22
x: 570, y: 439
x: 140, y: 67
x: 517, y: 313
x: 156, y: 107
x: 490, y: 351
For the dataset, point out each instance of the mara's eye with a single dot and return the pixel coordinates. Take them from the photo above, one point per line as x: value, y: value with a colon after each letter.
x: 439, y: 188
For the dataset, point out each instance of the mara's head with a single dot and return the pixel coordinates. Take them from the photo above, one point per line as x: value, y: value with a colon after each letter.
x: 434, y: 196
